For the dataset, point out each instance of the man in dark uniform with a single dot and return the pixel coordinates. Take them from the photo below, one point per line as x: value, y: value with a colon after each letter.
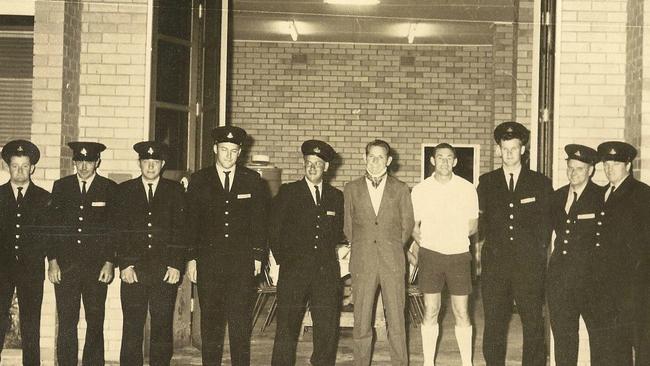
x: 575, y: 273
x: 150, y: 222
x: 514, y: 204
x: 306, y: 225
x: 23, y: 205
x: 82, y: 255
x: 626, y: 236
x: 226, y: 216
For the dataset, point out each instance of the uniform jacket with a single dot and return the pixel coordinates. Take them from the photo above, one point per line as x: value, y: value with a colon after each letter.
x: 519, y: 222
x: 578, y: 232
x: 83, y: 237
x: 378, y: 241
x: 231, y: 225
x: 22, y: 241
x: 577, y: 246
x: 302, y: 233
x: 626, y: 228
x: 150, y: 236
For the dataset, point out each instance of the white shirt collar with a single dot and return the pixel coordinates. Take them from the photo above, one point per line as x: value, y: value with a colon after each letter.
x: 88, y: 181
x: 311, y: 185
x: 222, y: 176
x: 618, y: 184
x: 515, y: 173
x: 14, y: 188
x: 578, y: 191
x: 154, y: 183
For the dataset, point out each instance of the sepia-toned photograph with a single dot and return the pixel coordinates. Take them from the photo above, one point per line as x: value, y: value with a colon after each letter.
x: 324, y: 182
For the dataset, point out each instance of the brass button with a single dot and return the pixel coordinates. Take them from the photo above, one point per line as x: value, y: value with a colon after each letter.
x: 512, y: 216
x: 79, y: 229
x: 564, y: 252
x: 81, y: 218
x: 78, y: 241
x: 511, y: 204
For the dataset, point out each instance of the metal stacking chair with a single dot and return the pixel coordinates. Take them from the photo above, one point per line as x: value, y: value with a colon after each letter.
x: 265, y: 290
x: 415, y: 306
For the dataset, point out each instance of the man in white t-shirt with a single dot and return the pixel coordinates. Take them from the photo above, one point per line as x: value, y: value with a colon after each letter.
x: 446, y: 214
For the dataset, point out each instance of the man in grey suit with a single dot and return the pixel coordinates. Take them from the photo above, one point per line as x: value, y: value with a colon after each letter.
x: 378, y: 223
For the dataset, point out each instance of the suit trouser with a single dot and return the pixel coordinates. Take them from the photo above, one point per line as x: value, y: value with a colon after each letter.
x: 321, y: 284
x: 159, y: 299
x: 569, y: 296
x: 225, y: 296
x: 632, y: 323
x: 74, y: 288
x: 505, y: 279
x: 393, y: 295
x: 29, y: 292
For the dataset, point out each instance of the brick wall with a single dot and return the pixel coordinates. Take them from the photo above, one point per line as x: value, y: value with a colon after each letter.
x: 113, y: 79
x: 350, y: 94
x: 590, y: 85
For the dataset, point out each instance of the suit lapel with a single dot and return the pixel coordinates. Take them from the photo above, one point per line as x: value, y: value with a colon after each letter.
x: 306, y: 194
x: 619, y: 192
x: 367, y: 201
x: 389, y: 189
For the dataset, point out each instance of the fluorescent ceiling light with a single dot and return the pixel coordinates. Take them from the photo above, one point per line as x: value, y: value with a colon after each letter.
x: 352, y: 2
x: 411, y: 35
x: 293, y: 31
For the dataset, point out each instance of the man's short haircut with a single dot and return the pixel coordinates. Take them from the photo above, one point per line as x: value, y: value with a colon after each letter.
x: 444, y: 145
x: 381, y: 143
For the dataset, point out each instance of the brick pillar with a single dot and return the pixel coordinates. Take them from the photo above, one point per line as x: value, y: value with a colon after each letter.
x: 57, y: 27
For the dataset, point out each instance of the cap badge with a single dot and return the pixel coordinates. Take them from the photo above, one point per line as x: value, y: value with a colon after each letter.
x: 20, y: 148
x: 509, y: 130
x: 84, y: 152
x: 317, y: 150
x: 612, y: 151
x: 229, y: 135
x: 577, y: 153
x: 150, y: 151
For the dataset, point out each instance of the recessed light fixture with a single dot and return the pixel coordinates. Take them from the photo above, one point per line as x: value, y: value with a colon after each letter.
x: 411, y: 36
x: 352, y: 2
x: 293, y: 31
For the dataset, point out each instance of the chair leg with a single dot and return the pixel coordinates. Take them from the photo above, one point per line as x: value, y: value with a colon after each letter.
x: 257, y: 309
x: 270, y: 315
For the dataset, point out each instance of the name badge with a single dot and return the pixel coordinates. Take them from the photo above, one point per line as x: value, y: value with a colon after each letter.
x: 331, y: 213
x: 587, y: 216
x: 98, y: 204
x: 528, y: 200
x: 243, y: 196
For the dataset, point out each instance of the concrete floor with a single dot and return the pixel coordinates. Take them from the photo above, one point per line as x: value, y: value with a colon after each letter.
x: 262, y: 345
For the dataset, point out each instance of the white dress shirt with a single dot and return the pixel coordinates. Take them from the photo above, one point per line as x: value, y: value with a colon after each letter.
x: 154, y: 183
x: 88, y: 181
x: 222, y: 175
x: 376, y: 193
x: 15, y: 189
x: 312, y: 189
x: 569, y: 199
x: 515, y: 175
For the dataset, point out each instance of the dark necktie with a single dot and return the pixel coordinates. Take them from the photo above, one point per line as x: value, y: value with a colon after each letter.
x: 611, y: 190
x: 317, y: 195
x: 511, y: 183
x: 150, y: 193
x: 19, y: 196
x: 226, y: 182
x: 83, y: 188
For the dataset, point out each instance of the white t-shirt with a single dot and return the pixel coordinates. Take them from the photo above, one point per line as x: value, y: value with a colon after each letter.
x: 445, y: 210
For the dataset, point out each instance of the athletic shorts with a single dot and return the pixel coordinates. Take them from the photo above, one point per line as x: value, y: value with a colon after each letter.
x: 436, y: 269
